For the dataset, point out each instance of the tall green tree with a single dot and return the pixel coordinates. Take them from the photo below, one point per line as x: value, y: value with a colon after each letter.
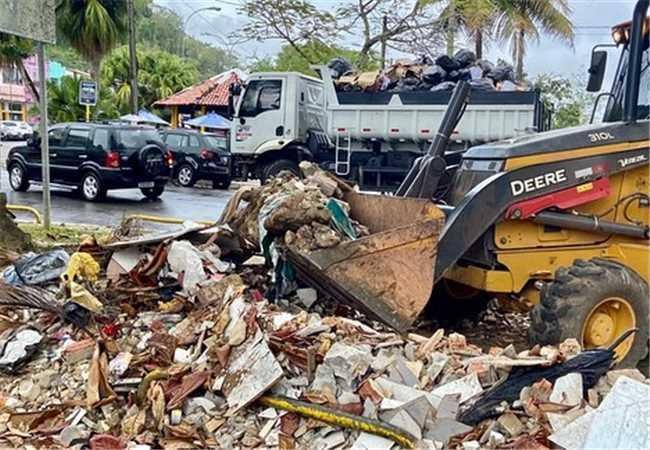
x: 160, y: 74
x: 522, y: 21
x: 92, y: 27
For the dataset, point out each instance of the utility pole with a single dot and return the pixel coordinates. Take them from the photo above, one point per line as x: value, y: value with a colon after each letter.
x: 384, y: 29
x: 45, y: 152
x: 133, y: 63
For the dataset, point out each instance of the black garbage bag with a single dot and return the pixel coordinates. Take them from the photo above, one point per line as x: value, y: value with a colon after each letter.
x: 407, y: 84
x: 423, y: 86
x: 434, y: 74
x: 487, y: 66
x: 458, y: 75
x: 484, y: 84
x: 340, y: 66
x: 502, y: 72
x: 444, y: 86
x: 424, y: 60
x: 447, y: 63
x: 465, y: 57
x: 591, y: 364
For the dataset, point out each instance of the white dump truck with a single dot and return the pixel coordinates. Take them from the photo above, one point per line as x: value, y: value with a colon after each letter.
x: 282, y: 118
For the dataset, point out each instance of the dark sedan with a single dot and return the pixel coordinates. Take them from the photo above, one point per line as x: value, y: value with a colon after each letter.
x: 199, y: 156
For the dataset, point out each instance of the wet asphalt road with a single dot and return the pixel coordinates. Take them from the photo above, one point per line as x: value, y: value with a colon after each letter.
x: 67, y: 207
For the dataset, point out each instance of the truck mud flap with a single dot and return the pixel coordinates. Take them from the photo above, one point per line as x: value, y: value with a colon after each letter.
x: 389, y: 274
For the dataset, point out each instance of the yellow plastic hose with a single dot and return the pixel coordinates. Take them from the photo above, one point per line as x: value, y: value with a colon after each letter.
x: 341, y: 419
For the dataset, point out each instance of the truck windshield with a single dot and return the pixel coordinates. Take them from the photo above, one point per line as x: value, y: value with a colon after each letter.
x: 260, y: 96
x: 136, y: 138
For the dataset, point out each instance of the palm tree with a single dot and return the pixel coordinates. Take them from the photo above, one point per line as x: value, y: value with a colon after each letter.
x: 92, y: 27
x: 475, y: 17
x: 63, y: 102
x: 13, y: 50
x: 522, y: 20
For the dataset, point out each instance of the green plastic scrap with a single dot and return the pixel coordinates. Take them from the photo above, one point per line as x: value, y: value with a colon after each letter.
x: 340, y: 218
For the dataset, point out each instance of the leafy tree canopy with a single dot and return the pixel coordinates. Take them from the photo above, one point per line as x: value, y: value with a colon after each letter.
x: 290, y: 60
x: 566, y: 98
x: 160, y: 74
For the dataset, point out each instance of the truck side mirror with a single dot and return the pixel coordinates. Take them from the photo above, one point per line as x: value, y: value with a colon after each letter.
x: 597, y: 70
x: 235, y: 89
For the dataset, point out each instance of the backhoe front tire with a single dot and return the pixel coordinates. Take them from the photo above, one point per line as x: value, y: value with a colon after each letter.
x: 595, y: 302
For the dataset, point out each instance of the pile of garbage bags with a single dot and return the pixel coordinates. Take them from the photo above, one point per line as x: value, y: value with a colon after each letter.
x: 183, y: 346
x: 425, y: 74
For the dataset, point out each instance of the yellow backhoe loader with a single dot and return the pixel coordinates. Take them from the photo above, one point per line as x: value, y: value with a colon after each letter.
x: 558, y: 219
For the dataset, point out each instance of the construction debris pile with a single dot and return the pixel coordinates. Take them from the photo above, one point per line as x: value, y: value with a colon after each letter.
x: 425, y: 74
x: 184, y: 340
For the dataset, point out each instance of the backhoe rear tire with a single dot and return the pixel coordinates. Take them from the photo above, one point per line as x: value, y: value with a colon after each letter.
x: 594, y: 302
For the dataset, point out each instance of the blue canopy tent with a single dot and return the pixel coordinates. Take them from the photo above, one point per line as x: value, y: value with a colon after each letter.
x: 210, y: 120
x: 148, y: 117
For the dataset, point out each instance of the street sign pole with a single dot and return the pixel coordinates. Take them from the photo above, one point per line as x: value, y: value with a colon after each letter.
x: 45, y: 151
x: 87, y: 113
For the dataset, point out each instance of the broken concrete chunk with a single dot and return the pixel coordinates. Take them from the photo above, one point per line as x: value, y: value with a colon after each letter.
x: 471, y: 445
x: 567, y: 390
x: 467, y: 387
x: 442, y: 430
x: 367, y: 441
x: 438, y: 363
x: 348, y: 362
x: 307, y: 296
x: 403, y: 420
x: 511, y: 424
x: 614, y: 375
x: 620, y: 422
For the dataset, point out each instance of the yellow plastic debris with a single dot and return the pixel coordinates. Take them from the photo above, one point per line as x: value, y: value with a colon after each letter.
x: 81, y: 265
x: 81, y: 296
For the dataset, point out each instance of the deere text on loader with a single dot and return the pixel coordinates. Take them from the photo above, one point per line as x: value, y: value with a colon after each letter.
x: 557, y: 219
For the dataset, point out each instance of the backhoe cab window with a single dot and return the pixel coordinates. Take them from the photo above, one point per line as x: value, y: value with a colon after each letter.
x: 260, y: 96
x: 644, y: 87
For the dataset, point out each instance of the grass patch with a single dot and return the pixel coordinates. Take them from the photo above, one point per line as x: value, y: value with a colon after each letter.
x: 62, y: 235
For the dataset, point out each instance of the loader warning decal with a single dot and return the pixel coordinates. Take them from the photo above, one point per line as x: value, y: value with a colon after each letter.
x: 532, y: 184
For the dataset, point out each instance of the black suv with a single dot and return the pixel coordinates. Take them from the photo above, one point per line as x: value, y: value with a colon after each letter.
x: 199, y: 157
x: 95, y: 158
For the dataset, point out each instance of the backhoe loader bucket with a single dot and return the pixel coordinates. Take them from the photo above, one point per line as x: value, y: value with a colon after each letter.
x: 389, y: 274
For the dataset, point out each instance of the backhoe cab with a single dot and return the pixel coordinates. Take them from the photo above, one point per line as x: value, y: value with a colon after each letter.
x: 558, y: 220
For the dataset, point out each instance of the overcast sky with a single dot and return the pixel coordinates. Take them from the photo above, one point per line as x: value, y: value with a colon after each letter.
x: 592, y: 18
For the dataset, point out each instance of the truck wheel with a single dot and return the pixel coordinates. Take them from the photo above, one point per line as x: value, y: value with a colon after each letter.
x: 275, y: 167
x: 186, y: 176
x: 154, y: 192
x: 91, y: 188
x: 18, y: 178
x: 595, y: 302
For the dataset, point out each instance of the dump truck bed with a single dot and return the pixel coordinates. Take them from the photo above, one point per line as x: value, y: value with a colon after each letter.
x: 416, y: 116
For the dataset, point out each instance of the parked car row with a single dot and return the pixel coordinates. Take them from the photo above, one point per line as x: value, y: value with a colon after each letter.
x: 97, y: 157
x: 15, y: 129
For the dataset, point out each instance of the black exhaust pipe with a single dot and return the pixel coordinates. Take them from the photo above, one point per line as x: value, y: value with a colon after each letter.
x: 634, y: 63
